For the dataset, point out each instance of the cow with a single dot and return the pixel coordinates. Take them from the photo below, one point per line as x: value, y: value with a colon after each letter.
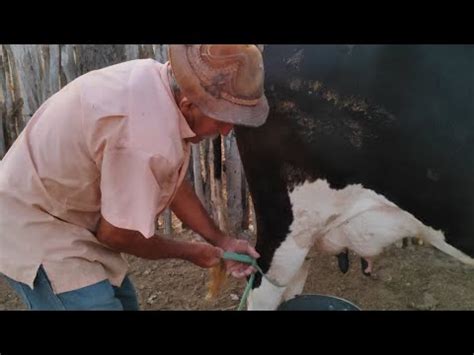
x: 395, y: 122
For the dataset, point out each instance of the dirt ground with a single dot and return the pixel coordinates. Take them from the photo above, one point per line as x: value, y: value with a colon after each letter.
x: 412, y: 278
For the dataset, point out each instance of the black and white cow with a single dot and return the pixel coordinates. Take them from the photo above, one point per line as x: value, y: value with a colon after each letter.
x: 364, y: 145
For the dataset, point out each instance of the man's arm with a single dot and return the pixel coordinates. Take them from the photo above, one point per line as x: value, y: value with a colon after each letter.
x: 156, y: 247
x: 189, y: 209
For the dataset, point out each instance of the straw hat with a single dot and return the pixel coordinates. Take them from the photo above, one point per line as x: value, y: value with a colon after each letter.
x: 224, y: 81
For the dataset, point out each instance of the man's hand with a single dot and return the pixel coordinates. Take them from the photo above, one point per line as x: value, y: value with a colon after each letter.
x: 205, y: 255
x: 187, y: 207
x: 236, y: 269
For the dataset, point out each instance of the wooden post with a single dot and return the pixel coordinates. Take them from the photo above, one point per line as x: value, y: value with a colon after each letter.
x: 234, y: 184
x: 167, y: 222
x: 196, y: 155
x: 69, y: 71
x: 3, y: 104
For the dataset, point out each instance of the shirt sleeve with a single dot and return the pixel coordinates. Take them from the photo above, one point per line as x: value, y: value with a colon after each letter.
x: 135, y: 187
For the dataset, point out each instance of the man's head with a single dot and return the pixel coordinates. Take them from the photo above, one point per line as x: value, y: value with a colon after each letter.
x: 217, y: 86
x: 201, y: 124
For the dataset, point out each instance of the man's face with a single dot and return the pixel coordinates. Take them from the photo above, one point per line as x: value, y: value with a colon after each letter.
x: 204, y: 126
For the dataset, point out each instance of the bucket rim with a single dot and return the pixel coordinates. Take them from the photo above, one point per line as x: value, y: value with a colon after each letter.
x: 322, y: 295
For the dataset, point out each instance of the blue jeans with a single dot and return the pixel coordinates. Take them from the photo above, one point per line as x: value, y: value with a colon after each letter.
x: 99, y: 296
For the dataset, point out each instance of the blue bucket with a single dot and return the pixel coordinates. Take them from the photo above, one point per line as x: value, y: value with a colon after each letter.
x: 317, y: 303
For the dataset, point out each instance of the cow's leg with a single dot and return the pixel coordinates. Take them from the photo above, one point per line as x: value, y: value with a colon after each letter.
x: 405, y: 242
x: 296, y: 285
x: 286, y: 262
x: 366, y: 266
x: 414, y: 241
x: 265, y: 297
x: 343, y: 261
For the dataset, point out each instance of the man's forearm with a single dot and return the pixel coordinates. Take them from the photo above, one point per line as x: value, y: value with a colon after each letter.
x: 132, y: 242
x: 156, y: 247
x: 189, y: 209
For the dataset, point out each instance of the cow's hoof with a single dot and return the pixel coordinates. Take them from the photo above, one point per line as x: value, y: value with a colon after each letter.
x: 364, y: 265
x: 416, y: 241
x: 405, y: 243
x: 343, y: 261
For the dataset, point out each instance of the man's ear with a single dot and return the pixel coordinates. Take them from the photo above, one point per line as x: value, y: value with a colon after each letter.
x: 184, y: 103
x: 185, y: 106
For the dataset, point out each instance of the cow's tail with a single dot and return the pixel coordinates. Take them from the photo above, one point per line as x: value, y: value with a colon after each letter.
x: 218, y: 277
x: 437, y: 239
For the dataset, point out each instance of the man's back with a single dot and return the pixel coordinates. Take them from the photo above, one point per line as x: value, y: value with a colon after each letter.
x: 69, y: 161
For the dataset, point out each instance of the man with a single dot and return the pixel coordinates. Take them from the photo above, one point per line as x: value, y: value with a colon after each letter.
x: 103, y: 157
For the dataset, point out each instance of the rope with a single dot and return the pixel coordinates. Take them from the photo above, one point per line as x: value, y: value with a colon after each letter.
x: 246, y: 259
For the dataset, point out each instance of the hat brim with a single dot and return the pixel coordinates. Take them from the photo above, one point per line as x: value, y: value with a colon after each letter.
x: 218, y: 109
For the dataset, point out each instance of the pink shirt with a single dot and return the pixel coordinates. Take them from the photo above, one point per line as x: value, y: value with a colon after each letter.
x: 111, y: 142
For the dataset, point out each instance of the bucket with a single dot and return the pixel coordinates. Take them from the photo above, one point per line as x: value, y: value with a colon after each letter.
x: 317, y: 303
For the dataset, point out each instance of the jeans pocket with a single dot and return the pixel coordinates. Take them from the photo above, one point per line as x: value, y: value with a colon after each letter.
x: 99, y: 296
x: 49, y: 299
x: 18, y: 287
